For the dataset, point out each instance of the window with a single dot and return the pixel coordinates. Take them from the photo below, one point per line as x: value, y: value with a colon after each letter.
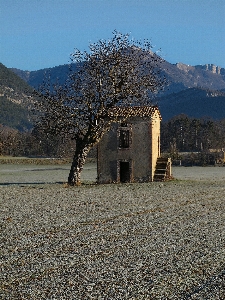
x: 124, y: 138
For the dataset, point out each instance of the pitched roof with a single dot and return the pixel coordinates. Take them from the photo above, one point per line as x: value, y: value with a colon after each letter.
x: 134, y: 111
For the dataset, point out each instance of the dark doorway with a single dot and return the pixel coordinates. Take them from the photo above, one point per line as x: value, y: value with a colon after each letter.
x: 124, y: 171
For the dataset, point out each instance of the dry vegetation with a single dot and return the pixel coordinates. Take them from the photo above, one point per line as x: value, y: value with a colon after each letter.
x: 126, y: 241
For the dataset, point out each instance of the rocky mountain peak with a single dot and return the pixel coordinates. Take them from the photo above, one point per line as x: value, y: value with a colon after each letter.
x: 211, y: 67
x: 184, y: 67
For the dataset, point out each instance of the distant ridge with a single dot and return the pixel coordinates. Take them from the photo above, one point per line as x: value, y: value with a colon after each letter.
x: 179, y: 76
x: 193, y: 102
x: 36, y: 78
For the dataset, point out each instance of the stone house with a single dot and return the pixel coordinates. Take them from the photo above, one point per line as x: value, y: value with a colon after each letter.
x: 130, y: 150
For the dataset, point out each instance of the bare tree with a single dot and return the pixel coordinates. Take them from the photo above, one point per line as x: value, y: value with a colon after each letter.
x: 115, y: 72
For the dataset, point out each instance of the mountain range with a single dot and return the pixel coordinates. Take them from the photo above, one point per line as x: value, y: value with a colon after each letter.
x: 179, y: 76
x: 197, y: 91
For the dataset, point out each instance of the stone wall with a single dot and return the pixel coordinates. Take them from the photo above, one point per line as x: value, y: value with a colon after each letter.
x: 155, y: 143
x: 141, y: 155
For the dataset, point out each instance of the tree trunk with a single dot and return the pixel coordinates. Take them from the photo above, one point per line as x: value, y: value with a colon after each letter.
x: 79, y: 158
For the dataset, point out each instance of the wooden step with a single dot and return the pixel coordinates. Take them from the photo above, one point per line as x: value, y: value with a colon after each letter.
x: 161, y: 159
x: 161, y: 166
x: 159, y: 177
x: 161, y: 171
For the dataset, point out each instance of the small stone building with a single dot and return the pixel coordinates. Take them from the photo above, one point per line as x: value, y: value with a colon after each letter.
x: 130, y: 151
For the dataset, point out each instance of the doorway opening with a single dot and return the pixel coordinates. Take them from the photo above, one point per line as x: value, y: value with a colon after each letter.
x: 124, y: 171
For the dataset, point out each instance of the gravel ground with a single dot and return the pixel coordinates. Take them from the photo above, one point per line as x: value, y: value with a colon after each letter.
x: 123, y: 241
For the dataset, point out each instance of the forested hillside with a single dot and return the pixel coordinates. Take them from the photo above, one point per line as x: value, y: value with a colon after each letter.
x: 13, y: 87
x: 15, y: 100
x: 193, y: 102
x: 14, y: 115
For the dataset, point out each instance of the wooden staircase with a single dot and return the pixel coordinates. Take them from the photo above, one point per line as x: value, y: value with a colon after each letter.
x: 163, y: 169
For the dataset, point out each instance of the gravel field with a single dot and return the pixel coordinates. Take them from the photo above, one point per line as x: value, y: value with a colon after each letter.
x: 122, y: 241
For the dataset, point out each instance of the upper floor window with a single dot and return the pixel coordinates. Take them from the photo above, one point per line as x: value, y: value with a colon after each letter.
x: 124, y: 136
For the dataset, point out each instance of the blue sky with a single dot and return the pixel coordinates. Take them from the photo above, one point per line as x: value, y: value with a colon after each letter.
x: 36, y: 34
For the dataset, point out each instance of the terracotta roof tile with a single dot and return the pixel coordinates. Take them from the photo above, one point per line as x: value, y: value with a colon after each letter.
x: 134, y: 111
